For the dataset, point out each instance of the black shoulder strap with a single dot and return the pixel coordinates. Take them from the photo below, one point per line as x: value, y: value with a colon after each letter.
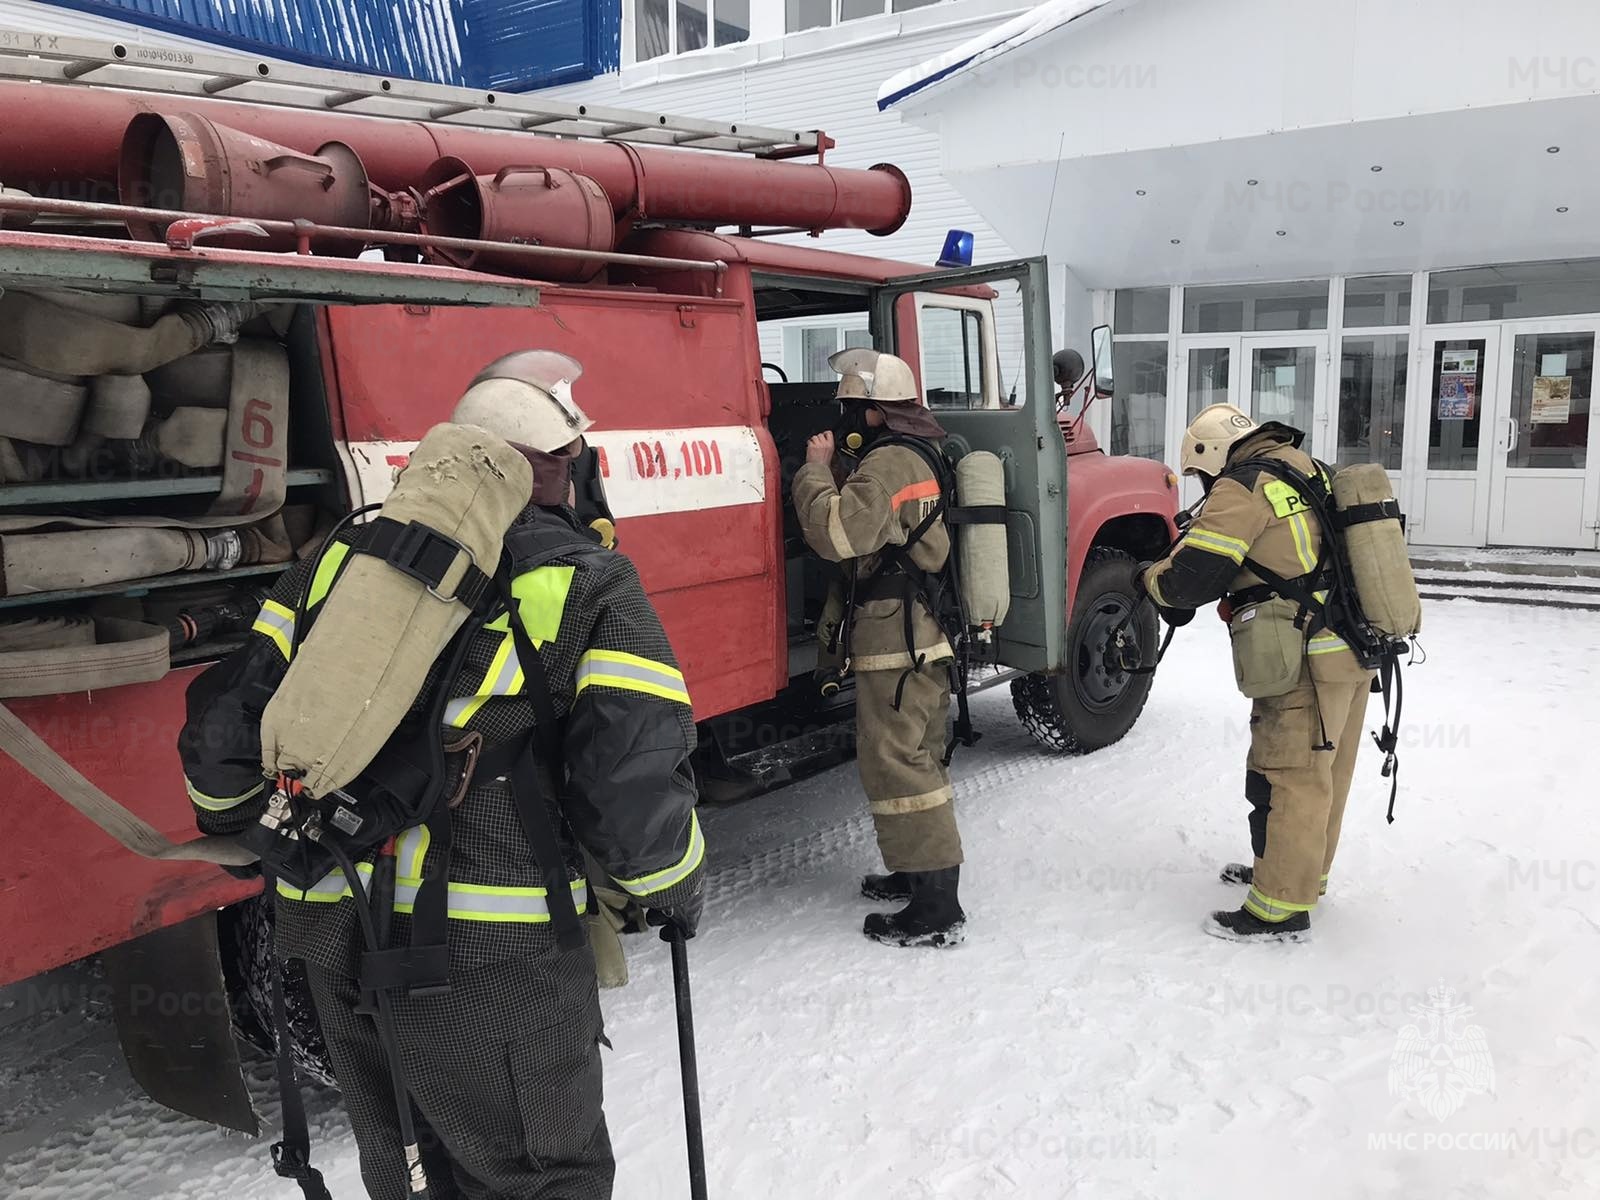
x: 527, y: 788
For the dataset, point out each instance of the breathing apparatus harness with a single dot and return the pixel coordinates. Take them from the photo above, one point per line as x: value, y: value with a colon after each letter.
x: 1329, y: 599
x: 897, y: 577
x: 301, y: 839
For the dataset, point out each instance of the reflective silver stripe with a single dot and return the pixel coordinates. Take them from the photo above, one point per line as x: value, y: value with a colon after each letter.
x: 613, y: 668
x: 506, y: 680
x: 660, y: 881
x: 466, y: 901
x: 276, y: 621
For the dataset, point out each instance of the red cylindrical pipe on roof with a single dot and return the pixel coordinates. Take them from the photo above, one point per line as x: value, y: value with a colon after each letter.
x: 65, y: 142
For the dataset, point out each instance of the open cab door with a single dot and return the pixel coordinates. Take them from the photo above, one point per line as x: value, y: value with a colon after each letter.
x: 979, y: 339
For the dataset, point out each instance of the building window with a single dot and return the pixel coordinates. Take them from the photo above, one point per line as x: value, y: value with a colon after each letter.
x: 1372, y: 399
x: 1139, y: 404
x: 807, y: 348
x: 1518, y: 290
x: 1141, y: 310
x: 664, y: 27
x: 1377, y: 301
x: 813, y: 14
x: 1256, y: 307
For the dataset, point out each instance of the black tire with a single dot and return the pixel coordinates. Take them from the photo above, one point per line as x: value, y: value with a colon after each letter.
x: 247, y: 963
x: 1091, y: 705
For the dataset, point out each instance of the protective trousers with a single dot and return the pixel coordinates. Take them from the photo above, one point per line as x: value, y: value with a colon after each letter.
x: 900, y: 754
x: 1297, y: 789
x: 504, y: 1072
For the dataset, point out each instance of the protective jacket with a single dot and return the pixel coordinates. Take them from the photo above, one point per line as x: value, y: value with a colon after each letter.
x: 626, y: 792
x: 881, y: 502
x: 1248, y: 513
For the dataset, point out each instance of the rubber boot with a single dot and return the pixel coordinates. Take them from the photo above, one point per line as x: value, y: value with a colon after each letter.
x: 933, y: 918
x: 896, y: 885
x: 1242, y: 925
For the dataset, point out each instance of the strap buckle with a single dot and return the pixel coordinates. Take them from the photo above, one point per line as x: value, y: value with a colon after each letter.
x: 426, y: 555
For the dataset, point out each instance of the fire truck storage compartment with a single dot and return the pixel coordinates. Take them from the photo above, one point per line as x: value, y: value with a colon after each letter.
x: 142, y: 520
x: 800, y: 410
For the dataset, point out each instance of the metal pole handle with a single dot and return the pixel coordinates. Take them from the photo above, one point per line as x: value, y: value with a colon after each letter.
x: 687, y: 1062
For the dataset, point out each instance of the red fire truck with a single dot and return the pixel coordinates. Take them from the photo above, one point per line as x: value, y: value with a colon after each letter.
x: 390, y: 238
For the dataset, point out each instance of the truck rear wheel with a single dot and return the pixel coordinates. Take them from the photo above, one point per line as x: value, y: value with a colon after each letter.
x: 248, y: 960
x: 1094, y: 702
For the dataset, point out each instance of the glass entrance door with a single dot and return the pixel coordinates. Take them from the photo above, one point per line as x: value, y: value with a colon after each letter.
x: 1273, y: 377
x: 1212, y: 379
x: 1542, y: 465
x: 1462, y: 369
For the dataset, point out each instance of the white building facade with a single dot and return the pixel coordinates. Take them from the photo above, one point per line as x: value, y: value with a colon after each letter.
x: 1378, y: 222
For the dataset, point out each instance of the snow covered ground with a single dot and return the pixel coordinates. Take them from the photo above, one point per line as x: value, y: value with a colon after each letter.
x: 1088, y: 1040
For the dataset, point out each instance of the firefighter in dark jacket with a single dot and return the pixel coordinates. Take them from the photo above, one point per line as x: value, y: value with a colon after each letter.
x: 504, y: 1068
x: 902, y: 691
x: 1303, y: 741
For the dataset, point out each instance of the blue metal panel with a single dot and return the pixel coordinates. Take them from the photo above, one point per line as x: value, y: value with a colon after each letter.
x: 509, y: 45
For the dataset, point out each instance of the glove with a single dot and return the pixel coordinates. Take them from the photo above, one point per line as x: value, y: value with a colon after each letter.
x: 1138, y: 577
x: 247, y: 872
x: 685, y: 916
x: 1225, y: 610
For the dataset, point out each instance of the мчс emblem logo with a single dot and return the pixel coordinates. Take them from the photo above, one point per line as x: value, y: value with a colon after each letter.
x: 1441, y: 1061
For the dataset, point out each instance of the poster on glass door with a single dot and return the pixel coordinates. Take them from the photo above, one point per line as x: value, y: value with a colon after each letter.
x: 1458, y: 385
x: 1552, y: 392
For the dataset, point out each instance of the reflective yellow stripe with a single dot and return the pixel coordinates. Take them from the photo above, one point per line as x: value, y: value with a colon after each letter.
x: 1326, y: 643
x: 629, y: 672
x: 327, y: 570
x: 503, y: 678
x: 411, y: 848
x: 1302, y: 541
x: 219, y: 803
x: 1272, y: 910
x: 1217, y: 543
x: 660, y: 881
x: 465, y: 901
x: 541, y: 596
x: 276, y: 621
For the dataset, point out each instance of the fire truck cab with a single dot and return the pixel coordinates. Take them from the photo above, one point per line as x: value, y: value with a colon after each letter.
x: 696, y: 437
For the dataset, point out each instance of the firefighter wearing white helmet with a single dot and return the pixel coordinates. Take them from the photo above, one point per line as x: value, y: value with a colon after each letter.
x: 862, y: 513
x: 541, y: 727
x: 1308, y: 691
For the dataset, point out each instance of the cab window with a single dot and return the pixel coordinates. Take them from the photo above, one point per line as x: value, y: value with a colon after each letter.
x: 952, y: 357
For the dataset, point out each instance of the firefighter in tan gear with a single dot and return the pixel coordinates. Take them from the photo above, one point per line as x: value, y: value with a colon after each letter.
x: 502, y: 1065
x: 1309, y: 693
x: 901, y: 662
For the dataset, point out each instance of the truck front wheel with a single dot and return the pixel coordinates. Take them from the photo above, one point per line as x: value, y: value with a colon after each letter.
x: 1094, y: 702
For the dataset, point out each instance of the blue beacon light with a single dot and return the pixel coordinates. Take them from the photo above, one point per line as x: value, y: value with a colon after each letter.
x: 957, y: 250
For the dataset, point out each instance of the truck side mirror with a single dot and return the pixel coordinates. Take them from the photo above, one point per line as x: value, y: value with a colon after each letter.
x: 1104, y: 368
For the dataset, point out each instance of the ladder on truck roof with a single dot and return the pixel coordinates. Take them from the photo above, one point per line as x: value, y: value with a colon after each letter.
x: 181, y: 71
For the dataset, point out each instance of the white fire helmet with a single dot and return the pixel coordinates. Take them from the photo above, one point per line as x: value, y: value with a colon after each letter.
x: 1215, y: 431
x: 526, y: 398
x: 867, y: 374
